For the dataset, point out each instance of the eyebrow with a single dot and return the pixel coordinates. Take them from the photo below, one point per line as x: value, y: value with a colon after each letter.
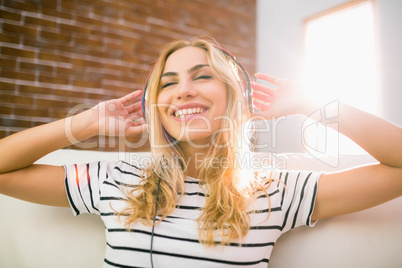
x: 192, y: 69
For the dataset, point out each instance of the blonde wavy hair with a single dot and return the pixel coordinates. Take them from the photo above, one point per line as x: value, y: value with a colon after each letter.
x: 224, y: 216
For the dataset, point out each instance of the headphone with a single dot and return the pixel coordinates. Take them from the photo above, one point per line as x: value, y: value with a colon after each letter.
x: 247, y: 90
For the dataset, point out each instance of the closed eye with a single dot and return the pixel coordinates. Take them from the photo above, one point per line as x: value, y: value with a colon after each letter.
x: 197, y: 78
x: 203, y: 77
x: 168, y: 84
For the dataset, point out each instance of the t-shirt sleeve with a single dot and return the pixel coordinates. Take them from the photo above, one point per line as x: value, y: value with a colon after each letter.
x: 83, y: 186
x: 298, y: 197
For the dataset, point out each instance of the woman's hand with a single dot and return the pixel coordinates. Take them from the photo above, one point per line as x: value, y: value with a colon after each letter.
x: 120, y: 117
x: 284, y: 98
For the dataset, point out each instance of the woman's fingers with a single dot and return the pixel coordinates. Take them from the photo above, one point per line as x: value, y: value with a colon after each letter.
x: 136, y: 107
x: 261, y: 106
x: 138, y: 121
x: 136, y: 129
x: 130, y: 97
x: 264, y: 89
x: 269, y: 78
x: 262, y: 97
x: 134, y: 117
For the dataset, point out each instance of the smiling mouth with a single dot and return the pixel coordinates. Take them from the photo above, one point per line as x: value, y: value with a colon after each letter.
x: 188, y: 112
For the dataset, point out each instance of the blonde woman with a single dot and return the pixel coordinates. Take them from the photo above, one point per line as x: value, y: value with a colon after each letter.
x: 196, y: 205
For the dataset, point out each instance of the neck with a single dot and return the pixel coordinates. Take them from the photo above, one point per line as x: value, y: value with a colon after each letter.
x: 193, y: 156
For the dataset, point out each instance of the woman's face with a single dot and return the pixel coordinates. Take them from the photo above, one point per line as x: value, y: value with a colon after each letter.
x: 191, y: 100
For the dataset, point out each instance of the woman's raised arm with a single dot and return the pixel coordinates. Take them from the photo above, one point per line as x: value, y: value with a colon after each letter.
x: 351, y: 190
x: 44, y: 184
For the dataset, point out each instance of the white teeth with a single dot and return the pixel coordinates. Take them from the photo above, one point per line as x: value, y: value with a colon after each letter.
x: 188, y: 112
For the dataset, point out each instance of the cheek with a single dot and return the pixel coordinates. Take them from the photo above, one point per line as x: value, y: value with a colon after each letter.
x: 161, y: 103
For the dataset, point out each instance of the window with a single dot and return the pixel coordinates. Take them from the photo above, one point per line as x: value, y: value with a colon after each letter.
x: 340, y: 61
x: 340, y: 55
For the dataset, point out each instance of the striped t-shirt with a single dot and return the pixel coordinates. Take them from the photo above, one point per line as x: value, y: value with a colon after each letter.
x: 99, y: 188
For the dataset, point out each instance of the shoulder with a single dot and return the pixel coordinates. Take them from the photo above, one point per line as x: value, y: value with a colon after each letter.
x: 118, y: 171
x: 295, y: 175
x: 287, y: 180
x: 124, y: 173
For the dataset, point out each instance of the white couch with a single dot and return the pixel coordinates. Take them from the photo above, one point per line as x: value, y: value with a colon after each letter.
x: 36, y: 236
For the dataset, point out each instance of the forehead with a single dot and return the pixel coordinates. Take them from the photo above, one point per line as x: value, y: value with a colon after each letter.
x: 185, y: 58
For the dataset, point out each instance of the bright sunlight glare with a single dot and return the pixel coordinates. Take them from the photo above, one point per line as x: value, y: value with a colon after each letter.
x: 340, y: 57
x: 340, y: 63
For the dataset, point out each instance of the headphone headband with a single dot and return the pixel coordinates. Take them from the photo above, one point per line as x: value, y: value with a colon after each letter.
x: 232, y: 57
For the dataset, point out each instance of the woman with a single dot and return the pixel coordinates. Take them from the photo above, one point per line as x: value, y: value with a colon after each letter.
x: 196, y: 205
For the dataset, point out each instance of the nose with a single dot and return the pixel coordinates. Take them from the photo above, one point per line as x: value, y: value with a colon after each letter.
x: 186, y: 90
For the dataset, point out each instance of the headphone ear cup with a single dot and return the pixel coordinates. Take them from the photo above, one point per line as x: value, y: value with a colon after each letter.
x: 144, y: 103
x: 246, y: 82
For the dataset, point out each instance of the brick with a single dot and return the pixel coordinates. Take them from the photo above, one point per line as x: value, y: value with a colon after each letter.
x: 85, y: 63
x: 106, y: 11
x: 55, y: 37
x: 8, y: 63
x: 122, y: 47
x: 79, y: 29
x: 17, y: 75
x: 21, y: 6
x: 53, y: 57
x: 97, y: 52
x: 56, y: 14
x: 53, y: 79
x: 70, y: 93
x: 116, y: 67
x: 12, y: 122
x: 3, y: 134
x: 10, y: 39
x: 88, y: 43
x: 16, y: 100
x: 62, y: 70
x: 37, y: 112
x: 46, y: 103
x: 105, y: 34
x: 35, y: 66
x: 89, y: 21
x: 14, y: 29
x: 52, y: 4
x: 42, y: 45
x: 4, y: 14
x: 4, y: 86
x: 59, y: 113
x: 80, y: 83
x: 80, y: 8
x: 34, y: 89
x: 115, y: 88
x: 40, y: 22
x: 101, y: 97
x: 77, y: 105
x: 6, y: 110
x: 117, y: 26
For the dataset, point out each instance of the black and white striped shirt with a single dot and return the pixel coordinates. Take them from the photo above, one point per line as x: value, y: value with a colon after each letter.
x: 98, y: 188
